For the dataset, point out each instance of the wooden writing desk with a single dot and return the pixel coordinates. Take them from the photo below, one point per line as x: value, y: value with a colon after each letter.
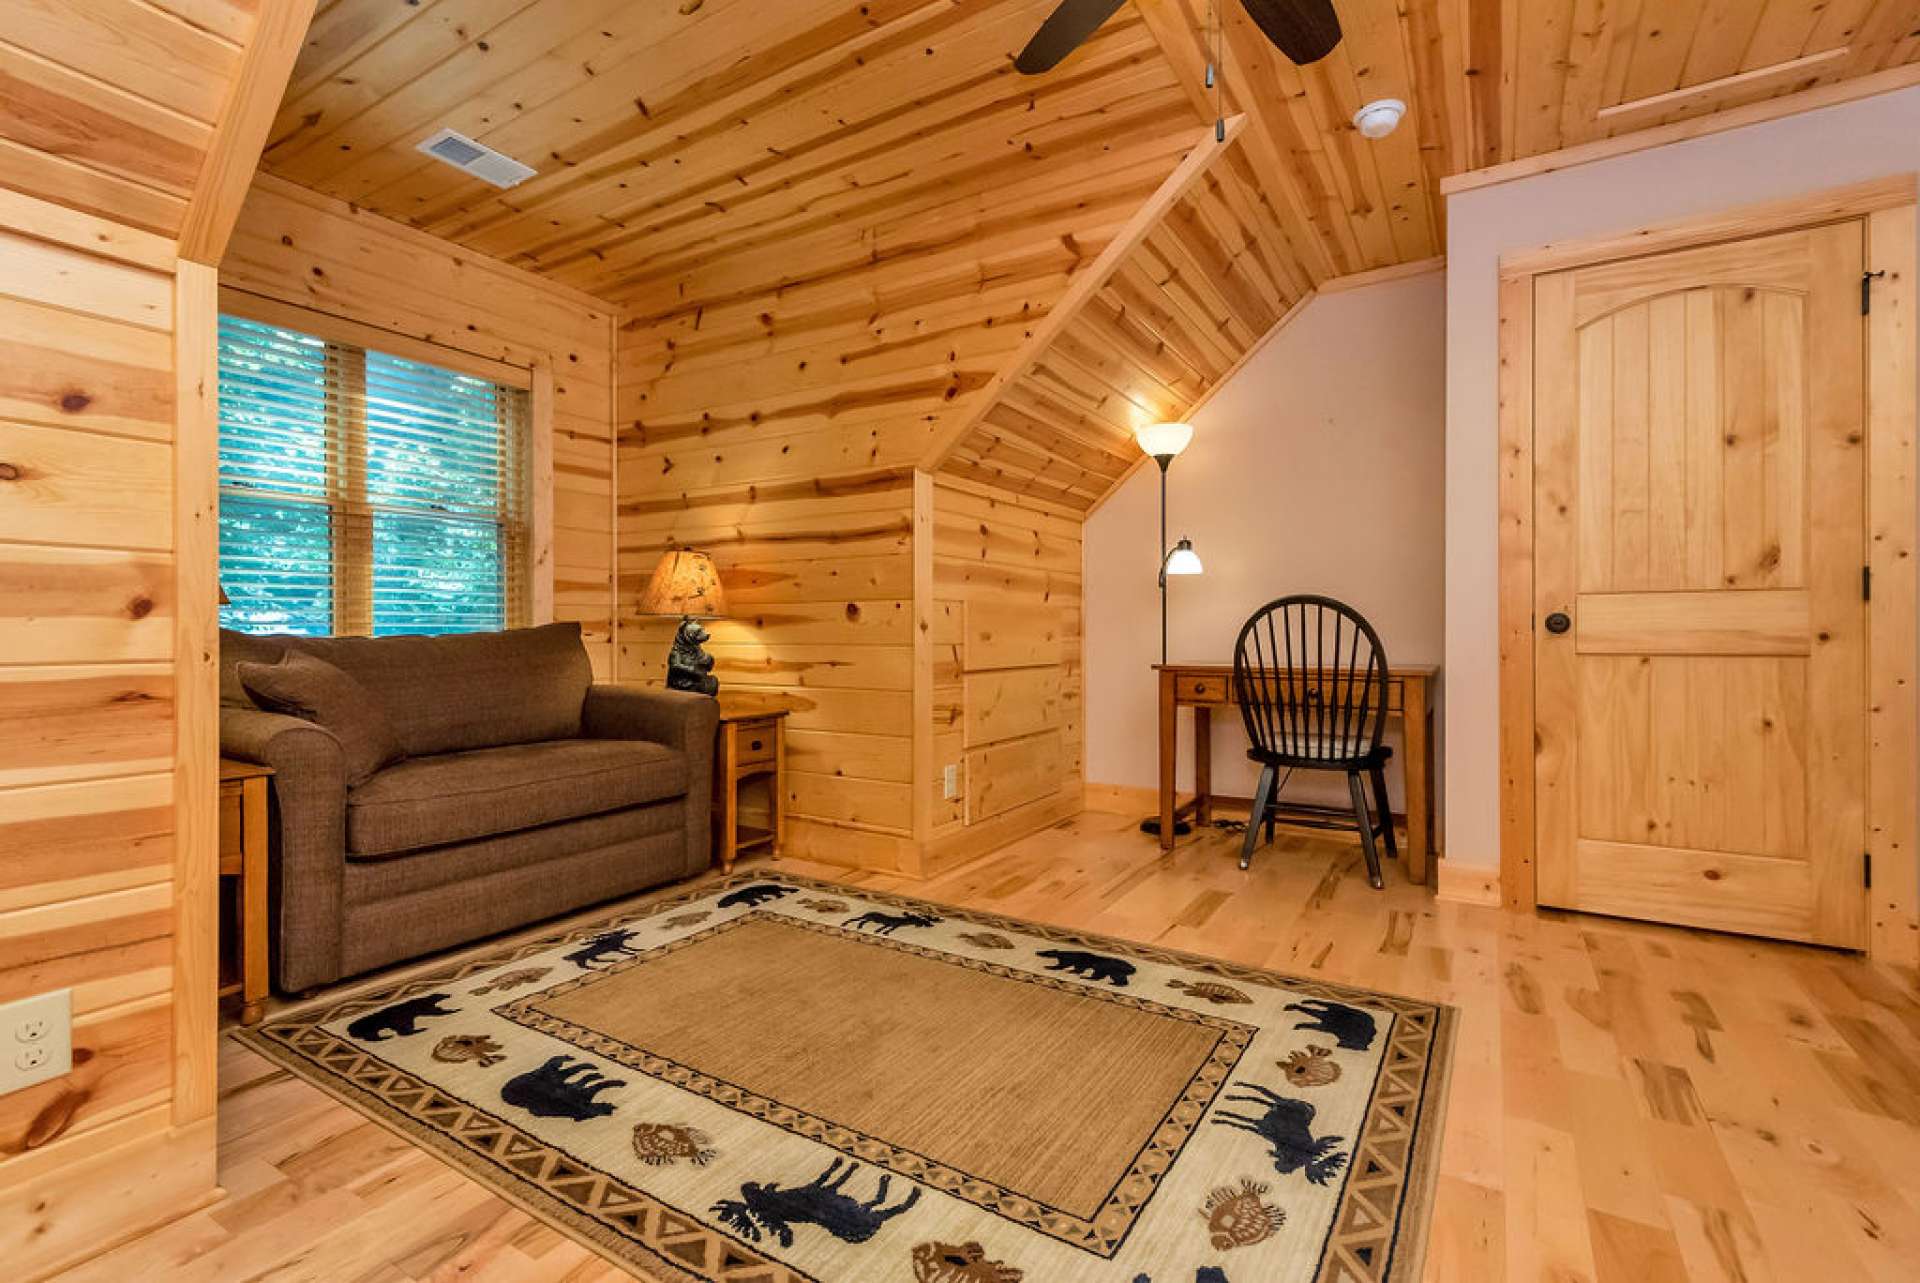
x: 1205, y: 687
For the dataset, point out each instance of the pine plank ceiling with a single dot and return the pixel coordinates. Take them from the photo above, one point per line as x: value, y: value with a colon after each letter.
x: 706, y: 162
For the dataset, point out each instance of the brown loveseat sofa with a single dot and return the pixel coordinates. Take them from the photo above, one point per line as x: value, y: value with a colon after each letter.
x: 525, y: 791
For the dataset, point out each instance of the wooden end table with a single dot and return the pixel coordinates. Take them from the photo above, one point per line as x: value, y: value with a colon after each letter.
x: 243, y: 855
x: 752, y: 745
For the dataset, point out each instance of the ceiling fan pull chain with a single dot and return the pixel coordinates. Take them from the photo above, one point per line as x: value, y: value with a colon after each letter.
x: 1213, y: 79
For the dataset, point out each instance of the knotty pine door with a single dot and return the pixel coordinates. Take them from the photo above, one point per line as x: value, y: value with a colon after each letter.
x: 1699, y: 623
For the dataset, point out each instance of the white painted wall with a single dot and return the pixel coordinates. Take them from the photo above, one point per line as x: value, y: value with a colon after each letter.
x: 1316, y: 469
x: 1868, y: 139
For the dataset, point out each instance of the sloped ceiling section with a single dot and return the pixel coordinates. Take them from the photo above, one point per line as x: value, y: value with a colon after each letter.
x: 1196, y: 287
x: 838, y: 314
x: 832, y: 225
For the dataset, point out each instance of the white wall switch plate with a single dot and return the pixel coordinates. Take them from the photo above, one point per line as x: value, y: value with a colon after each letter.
x: 36, y: 1040
x: 950, y: 782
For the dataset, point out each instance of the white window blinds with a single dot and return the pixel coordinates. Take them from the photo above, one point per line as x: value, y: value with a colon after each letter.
x: 365, y: 493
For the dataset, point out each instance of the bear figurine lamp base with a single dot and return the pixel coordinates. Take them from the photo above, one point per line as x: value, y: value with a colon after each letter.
x: 687, y: 583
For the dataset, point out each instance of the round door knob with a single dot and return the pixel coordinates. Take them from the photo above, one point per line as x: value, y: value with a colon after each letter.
x: 1558, y: 622
x: 756, y: 746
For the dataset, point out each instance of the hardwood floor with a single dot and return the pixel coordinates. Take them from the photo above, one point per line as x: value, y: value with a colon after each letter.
x: 1629, y: 1103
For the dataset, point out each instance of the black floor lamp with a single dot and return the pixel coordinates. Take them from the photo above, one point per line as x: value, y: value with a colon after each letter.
x: 1162, y: 442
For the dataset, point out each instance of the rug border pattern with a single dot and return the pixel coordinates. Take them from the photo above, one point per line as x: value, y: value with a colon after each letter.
x: 1390, y: 1178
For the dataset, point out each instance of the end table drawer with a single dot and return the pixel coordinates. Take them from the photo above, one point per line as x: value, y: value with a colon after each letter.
x: 754, y: 745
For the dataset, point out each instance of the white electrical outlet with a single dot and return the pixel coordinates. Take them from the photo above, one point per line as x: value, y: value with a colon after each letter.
x: 36, y: 1040
x: 950, y: 782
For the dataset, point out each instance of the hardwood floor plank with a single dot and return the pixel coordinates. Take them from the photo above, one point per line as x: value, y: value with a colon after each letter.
x: 1627, y: 1101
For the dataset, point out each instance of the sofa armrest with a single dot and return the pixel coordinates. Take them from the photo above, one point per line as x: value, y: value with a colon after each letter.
x: 680, y: 720
x: 308, y: 825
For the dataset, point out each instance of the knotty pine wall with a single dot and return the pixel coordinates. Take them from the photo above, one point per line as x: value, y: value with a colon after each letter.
x: 109, y: 106
x: 1005, y: 669
x: 298, y: 247
x: 106, y: 696
x: 820, y: 585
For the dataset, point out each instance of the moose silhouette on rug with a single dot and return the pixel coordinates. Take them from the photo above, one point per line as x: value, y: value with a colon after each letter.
x: 608, y: 946
x: 402, y: 1019
x: 561, y: 1088
x: 776, y: 1209
x: 885, y: 924
x: 1351, y: 1027
x: 1094, y: 966
x: 1287, y: 1127
x: 755, y: 896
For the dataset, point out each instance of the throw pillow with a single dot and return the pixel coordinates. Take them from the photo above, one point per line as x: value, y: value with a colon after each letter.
x: 302, y: 686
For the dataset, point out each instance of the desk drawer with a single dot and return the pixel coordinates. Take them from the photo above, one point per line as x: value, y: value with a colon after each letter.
x: 1211, y: 689
x: 1197, y: 689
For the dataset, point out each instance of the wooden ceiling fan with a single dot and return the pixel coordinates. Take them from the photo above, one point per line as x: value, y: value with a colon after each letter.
x: 1304, y: 30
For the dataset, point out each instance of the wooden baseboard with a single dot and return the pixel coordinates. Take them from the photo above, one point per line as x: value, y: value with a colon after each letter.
x: 1467, y: 884
x: 1130, y: 799
x: 961, y: 845
x: 849, y: 847
x: 1125, y: 799
x: 55, y: 1220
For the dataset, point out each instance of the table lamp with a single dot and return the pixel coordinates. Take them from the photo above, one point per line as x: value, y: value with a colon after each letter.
x: 687, y: 583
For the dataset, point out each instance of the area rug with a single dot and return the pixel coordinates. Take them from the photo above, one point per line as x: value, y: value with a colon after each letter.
x: 773, y: 1079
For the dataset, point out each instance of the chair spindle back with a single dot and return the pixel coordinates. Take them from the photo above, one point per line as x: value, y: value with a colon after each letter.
x: 1311, y: 679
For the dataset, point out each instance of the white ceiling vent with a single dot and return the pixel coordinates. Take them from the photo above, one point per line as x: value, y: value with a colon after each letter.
x: 482, y: 162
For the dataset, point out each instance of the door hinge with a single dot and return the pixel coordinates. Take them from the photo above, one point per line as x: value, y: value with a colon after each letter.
x: 1866, y: 290
x: 1866, y: 583
x: 1866, y: 869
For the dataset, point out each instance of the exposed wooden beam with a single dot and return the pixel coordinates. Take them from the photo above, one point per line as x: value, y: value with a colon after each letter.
x: 241, y: 132
x: 1084, y: 286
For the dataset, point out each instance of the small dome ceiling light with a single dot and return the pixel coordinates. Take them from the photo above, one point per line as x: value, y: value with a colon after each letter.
x: 1379, y: 118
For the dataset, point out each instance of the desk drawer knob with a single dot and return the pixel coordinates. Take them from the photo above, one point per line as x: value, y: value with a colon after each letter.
x: 755, y: 746
x: 1199, y: 688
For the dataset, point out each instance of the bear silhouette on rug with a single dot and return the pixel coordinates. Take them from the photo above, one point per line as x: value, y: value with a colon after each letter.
x: 561, y: 1088
x: 755, y: 896
x: 401, y: 1020
x: 1351, y: 1027
x: 1094, y: 966
x: 776, y: 1209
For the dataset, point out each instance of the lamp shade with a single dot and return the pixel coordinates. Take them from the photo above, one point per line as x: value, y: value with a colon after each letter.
x: 1163, y: 440
x: 1183, y: 560
x: 685, y: 583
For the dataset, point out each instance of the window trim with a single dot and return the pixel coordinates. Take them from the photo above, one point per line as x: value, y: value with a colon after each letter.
x: 337, y: 329
x: 536, y: 380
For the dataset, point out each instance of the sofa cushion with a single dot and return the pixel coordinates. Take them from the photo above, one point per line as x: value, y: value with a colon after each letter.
x: 469, y: 690
x: 302, y: 686
x: 244, y: 648
x: 456, y: 797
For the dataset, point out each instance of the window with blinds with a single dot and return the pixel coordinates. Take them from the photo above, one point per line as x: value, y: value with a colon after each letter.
x: 361, y: 493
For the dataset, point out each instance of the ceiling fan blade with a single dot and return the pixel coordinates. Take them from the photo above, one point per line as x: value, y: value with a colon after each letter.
x: 1304, y: 30
x: 1063, y: 32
